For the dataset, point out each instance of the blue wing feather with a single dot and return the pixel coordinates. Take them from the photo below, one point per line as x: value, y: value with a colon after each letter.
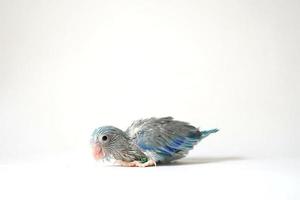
x: 164, y: 138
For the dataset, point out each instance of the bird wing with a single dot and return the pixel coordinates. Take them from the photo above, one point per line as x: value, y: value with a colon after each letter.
x: 164, y: 139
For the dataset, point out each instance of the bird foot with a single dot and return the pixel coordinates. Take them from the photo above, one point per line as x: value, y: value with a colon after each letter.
x: 149, y: 163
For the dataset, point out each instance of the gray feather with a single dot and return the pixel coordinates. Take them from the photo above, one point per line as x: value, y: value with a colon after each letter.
x: 156, y: 136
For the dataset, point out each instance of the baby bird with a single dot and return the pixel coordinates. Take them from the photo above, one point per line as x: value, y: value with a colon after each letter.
x: 146, y: 142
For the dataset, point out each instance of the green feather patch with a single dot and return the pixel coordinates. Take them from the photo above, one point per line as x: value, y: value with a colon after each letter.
x: 143, y: 160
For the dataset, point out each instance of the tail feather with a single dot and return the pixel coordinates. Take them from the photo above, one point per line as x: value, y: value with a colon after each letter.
x: 207, y: 132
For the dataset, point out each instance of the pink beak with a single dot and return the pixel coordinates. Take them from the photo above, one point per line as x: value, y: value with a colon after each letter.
x: 97, y: 152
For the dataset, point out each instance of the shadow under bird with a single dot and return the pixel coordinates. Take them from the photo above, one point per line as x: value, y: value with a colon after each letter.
x: 147, y: 142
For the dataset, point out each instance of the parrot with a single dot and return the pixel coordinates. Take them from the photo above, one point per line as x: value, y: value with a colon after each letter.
x: 146, y: 142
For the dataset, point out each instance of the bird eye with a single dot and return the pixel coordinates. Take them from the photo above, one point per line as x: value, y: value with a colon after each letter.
x: 104, y: 138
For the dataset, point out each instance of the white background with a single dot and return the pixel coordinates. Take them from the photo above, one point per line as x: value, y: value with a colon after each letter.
x: 67, y: 67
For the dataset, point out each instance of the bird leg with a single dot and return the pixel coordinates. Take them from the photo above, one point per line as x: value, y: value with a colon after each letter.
x: 149, y: 163
x: 137, y: 163
x: 128, y: 164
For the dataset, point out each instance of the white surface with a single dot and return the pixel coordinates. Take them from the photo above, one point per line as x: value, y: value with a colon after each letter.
x: 67, y: 177
x: 67, y: 67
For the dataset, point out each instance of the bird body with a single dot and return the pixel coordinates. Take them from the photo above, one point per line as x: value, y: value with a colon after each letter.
x: 147, y: 141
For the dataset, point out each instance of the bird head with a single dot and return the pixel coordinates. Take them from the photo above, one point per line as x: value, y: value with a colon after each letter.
x: 106, y: 140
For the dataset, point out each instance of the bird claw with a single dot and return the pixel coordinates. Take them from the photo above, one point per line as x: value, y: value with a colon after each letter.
x: 149, y: 163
